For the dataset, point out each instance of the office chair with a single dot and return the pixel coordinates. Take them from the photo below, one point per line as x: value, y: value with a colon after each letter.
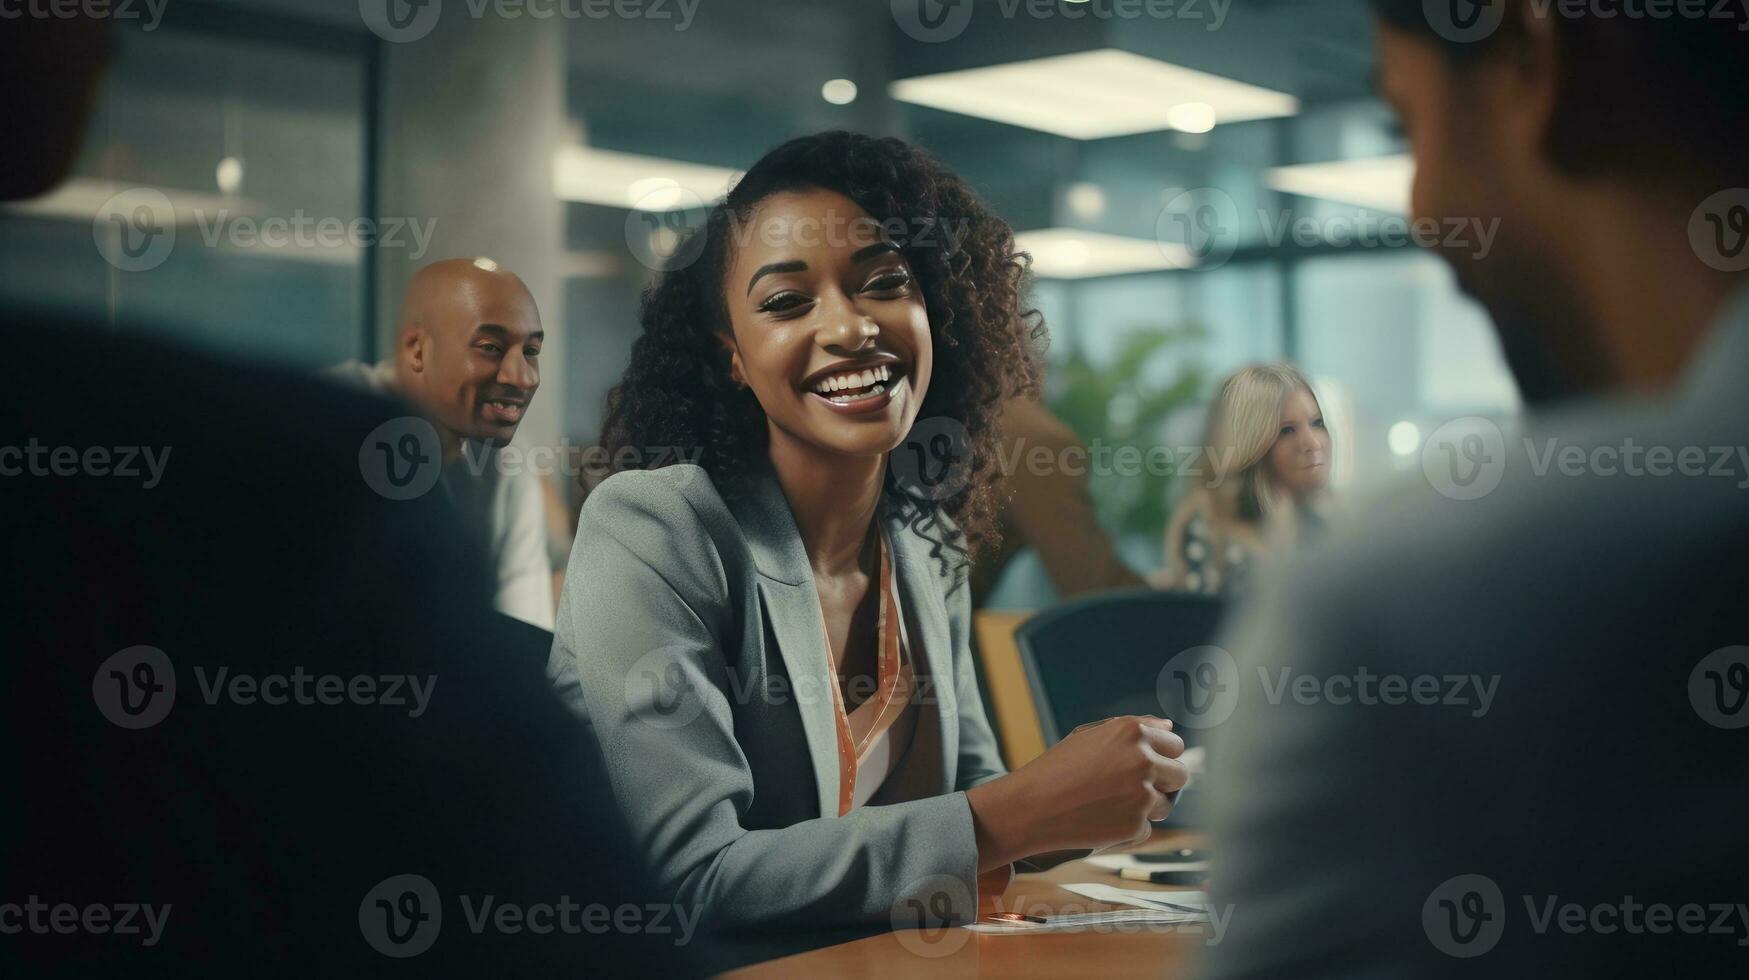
x: 1102, y: 655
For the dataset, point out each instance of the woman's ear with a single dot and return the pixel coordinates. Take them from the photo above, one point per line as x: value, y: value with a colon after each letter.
x: 736, y: 373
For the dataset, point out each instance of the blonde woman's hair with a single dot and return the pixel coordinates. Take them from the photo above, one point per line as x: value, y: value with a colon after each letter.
x: 1243, y: 423
x: 1235, y: 496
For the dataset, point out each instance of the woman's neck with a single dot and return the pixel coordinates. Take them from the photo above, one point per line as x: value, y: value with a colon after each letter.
x: 833, y: 498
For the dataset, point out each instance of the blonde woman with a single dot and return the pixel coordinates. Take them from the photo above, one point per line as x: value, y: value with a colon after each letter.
x: 1265, y: 469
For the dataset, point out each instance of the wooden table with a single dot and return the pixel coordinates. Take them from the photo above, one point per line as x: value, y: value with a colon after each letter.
x: 1103, y: 952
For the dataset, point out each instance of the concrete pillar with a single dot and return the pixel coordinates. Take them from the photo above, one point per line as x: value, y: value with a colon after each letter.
x: 470, y: 116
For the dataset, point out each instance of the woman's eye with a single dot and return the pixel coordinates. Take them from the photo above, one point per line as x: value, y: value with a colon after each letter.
x: 783, y: 303
x: 888, y: 281
x: 1287, y: 430
x: 1318, y: 422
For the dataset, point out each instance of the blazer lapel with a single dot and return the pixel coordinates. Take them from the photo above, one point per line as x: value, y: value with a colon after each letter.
x: 792, y: 607
x: 926, y: 622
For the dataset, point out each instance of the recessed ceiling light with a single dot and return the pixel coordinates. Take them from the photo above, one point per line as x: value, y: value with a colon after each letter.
x: 1404, y: 438
x: 1070, y: 253
x: 839, y: 91
x: 640, y: 183
x: 1192, y: 117
x: 229, y: 175
x: 1095, y: 94
x: 1086, y: 200
x: 1380, y: 183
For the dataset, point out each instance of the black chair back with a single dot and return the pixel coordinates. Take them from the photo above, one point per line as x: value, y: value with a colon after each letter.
x: 1103, y: 655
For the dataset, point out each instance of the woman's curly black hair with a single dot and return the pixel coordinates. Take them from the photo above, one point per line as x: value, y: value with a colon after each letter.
x: 677, y: 393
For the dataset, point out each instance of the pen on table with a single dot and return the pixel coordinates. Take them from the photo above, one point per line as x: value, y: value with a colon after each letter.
x: 1178, y: 877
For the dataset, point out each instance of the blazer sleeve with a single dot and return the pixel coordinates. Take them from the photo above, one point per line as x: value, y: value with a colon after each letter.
x: 980, y: 757
x: 641, y: 640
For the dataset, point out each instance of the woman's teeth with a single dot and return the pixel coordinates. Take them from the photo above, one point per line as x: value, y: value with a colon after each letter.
x: 874, y: 391
x: 853, y: 380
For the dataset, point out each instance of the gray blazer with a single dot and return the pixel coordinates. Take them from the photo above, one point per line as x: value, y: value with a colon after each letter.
x: 1557, y: 736
x: 690, y: 636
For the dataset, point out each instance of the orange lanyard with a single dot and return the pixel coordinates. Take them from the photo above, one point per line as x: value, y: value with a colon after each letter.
x: 850, y: 748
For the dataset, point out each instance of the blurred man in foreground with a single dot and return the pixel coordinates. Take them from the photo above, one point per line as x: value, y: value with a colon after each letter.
x: 467, y: 354
x: 1500, y: 730
x: 255, y: 719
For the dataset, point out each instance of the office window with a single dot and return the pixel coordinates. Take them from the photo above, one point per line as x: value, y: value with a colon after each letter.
x: 258, y: 146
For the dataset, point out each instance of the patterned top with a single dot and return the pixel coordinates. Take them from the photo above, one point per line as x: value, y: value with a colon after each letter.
x: 1208, y: 569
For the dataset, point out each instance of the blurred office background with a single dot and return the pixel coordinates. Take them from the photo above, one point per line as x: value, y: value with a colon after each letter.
x: 1202, y: 185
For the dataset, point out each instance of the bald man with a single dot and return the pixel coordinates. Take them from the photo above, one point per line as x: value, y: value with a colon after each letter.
x: 467, y: 355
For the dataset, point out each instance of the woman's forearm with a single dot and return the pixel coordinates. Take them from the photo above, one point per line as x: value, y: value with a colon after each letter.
x: 998, y: 820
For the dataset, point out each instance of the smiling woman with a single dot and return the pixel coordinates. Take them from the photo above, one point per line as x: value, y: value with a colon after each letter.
x: 772, y: 645
x: 941, y: 279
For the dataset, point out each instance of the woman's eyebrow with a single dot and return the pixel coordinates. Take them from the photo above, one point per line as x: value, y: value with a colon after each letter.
x: 771, y: 268
x: 870, y: 251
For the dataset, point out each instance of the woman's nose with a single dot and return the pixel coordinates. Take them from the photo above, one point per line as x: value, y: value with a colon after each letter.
x: 849, y: 329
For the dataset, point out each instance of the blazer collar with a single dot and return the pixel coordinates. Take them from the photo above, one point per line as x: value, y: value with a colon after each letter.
x: 792, y: 604
x: 769, y: 527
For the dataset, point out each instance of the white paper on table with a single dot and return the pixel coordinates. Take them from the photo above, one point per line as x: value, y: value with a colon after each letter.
x: 1085, y: 919
x: 1118, y: 862
x: 1169, y: 901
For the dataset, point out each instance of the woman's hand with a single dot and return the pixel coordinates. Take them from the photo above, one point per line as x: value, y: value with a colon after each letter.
x: 1097, y: 788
